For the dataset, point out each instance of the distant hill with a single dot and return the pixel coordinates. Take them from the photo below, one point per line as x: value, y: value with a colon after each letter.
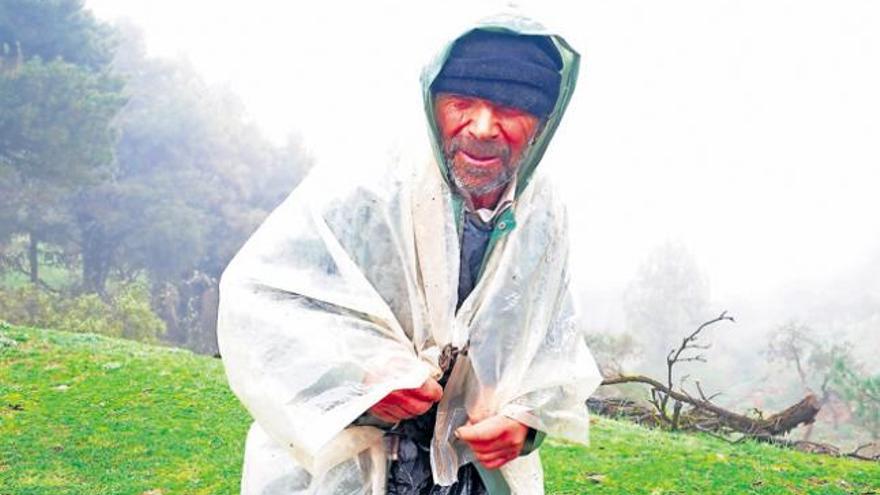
x: 91, y: 415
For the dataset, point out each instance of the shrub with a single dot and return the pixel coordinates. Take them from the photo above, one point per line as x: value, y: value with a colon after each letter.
x: 125, y: 314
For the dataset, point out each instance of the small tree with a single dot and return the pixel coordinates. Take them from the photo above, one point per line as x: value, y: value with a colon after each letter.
x: 862, y: 392
x: 795, y: 344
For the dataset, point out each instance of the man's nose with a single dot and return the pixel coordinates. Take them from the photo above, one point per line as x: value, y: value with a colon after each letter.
x: 483, y: 124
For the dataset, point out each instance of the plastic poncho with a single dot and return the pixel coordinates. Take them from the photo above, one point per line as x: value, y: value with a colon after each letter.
x: 346, y: 293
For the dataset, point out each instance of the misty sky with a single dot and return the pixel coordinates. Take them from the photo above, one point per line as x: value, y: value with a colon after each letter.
x: 748, y: 131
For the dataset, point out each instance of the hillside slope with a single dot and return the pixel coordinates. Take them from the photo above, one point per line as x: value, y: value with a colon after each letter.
x: 84, y: 414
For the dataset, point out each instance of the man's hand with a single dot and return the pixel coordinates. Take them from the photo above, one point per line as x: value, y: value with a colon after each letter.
x: 408, y: 403
x: 495, y: 441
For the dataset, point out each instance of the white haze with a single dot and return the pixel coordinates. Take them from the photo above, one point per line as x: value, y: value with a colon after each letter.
x: 747, y: 131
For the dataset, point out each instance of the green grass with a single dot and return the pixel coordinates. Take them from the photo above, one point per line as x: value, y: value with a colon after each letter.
x: 83, y: 414
x: 627, y: 459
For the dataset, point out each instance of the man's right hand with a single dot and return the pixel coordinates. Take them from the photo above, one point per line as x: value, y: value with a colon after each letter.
x: 408, y: 403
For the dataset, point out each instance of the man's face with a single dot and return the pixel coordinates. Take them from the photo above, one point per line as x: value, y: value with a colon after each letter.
x: 483, y: 141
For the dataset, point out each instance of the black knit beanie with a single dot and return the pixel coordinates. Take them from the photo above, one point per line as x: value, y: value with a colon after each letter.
x: 520, y: 71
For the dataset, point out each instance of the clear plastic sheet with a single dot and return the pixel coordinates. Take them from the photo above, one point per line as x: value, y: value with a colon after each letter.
x: 348, y: 291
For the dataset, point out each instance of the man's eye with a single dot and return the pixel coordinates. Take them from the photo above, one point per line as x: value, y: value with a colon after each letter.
x: 462, y: 104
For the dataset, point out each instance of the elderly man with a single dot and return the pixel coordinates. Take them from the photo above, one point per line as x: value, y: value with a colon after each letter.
x: 415, y: 333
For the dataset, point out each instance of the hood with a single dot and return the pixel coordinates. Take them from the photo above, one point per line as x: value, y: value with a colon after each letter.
x: 518, y: 25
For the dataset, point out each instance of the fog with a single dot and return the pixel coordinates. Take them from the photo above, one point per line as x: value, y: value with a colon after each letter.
x: 743, y: 134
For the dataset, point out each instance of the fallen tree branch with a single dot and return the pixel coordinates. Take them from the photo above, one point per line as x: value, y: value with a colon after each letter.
x: 870, y: 455
x: 804, y: 412
x: 705, y: 416
x: 703, y: 413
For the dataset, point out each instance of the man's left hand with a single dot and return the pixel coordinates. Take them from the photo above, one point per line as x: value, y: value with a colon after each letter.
x: 495, y: 441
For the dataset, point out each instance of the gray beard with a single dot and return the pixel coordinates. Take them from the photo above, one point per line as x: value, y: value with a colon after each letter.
x: 462, y: 186
x: 479, y: 148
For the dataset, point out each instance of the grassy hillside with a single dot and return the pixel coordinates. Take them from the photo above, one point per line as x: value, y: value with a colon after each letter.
x: 83, y: 414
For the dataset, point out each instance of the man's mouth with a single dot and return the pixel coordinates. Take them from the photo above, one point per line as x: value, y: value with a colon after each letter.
x: 480, y: 160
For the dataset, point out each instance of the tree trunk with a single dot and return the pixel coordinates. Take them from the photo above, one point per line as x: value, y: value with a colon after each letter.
x: 95, y: 270
x: 166, y: 303
x: 97, y: 258
x: 808, y: 432
x: 33, y: 258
